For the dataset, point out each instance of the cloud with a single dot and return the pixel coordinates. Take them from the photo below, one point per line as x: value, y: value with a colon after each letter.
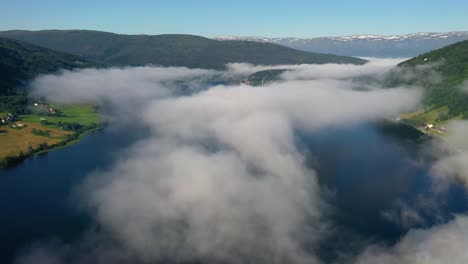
x: 122, y: 93
x: 122, y: 85
x: 444, y: 243
x: 464, y: 86
x: 341, y: 71
x: 440, y: 244
x: 220, y: 175
x: 316, y: 71
x: 224, y: 163
x: 403, y: 215
x: 312, y: 104
x: 424, y: 75
x: 452, y: 164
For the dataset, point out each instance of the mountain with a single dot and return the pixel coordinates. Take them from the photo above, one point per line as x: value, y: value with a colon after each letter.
x: 169, y: 50
x: 451, y: 91
x: 366, y: 45
x: 20, y: 62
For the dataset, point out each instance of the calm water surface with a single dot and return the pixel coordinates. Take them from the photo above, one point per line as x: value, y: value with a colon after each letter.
x: 35, y: 196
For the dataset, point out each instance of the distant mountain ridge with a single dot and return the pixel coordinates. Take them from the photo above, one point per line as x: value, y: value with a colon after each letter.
x: 408, y: 45
x: 169, y: 50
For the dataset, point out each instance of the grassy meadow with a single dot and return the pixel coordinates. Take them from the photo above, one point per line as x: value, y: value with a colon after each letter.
x: 41, y: 130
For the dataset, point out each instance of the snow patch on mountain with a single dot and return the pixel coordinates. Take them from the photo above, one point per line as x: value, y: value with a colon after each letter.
x: 367, y: 45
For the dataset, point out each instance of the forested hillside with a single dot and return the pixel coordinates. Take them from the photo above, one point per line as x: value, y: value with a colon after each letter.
x: 169, y: 50
x: 19, y: 62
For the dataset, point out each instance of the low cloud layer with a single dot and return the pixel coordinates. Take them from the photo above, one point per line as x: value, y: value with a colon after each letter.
x: 317, y: 71
x: 464, y: 86
x: 437, y: 245
x: 121, y: 85
x: 220, y: 176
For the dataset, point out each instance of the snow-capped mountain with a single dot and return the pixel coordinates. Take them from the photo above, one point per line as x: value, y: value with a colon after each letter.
x: 367, y: 45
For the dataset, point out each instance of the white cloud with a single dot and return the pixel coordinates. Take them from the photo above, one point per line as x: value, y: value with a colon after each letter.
x: 317, y: 71
x: 464, y: 86
x: 453, y: 158
x: 123, y: 85
x: 220, y: 176
x: 437, y: 245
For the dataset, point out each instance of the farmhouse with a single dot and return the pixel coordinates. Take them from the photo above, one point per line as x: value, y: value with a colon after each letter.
x: 8, y: 118
x: 427, y: 126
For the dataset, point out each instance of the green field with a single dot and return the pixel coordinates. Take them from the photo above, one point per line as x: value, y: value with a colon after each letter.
x: 42, y: 132
x: 82, y: 114
x: 432, y: 116
x: 436, y: 116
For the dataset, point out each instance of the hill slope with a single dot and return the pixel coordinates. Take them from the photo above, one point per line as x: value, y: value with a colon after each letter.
x: 263, y: 77
x: 404, y: 46
x: 20, y: 62
x: 169, y: 50
x: 452, y: 63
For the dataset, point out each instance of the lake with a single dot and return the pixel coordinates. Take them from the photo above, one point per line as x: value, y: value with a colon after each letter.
x: 35, y: 196
x: 371, y: 170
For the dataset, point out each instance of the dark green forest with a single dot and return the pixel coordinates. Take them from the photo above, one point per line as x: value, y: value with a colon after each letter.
x: 169, y: 50
x: 264, y: 77
x: 27, y: 54
x: 20, y: 62
x: 442, y: 73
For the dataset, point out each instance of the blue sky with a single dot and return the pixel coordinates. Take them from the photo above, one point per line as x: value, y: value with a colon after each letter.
x: 241, y: 17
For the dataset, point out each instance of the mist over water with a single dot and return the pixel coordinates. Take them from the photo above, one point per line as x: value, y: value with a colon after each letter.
x: 36, y: 197
x: 379, y: 176
x: 362, y: 192
x: 298, y: 171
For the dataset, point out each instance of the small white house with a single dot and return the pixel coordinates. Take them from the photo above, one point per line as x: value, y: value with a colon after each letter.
x: 427, y: 126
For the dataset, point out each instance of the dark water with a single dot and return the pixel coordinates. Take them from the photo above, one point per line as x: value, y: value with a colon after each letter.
x: 35, y: 196
x: 370, y: 169
x: 376, y: 174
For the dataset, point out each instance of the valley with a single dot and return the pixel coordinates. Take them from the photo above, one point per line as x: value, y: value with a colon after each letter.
x: 180, y: 148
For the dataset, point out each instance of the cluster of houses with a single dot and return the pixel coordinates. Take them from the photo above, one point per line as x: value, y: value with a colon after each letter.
x: 17, y: 125
x: 49, y: 109
x: 428, y: 126
x: 8, y: 118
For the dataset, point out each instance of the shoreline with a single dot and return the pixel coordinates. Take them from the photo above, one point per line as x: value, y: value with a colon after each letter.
x: 10, y: 162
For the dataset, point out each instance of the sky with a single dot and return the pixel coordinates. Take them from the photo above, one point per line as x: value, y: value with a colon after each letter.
x: 293, y: 18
